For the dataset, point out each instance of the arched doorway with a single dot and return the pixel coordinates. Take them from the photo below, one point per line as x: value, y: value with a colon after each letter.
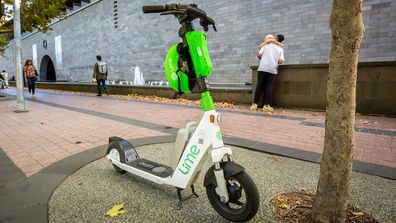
x: 47, y: 69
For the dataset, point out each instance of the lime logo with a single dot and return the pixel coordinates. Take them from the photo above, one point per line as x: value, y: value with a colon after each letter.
x: 189, y: 160
x: 218, y: 135
x: 172, y: 70
x: 170, y: 64
x: 174, y: 76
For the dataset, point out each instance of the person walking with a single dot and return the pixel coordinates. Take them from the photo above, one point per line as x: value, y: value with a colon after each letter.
x: 30, y: 73
x: 270, y: 55
x: 100, y: 75
x: 5, y: 76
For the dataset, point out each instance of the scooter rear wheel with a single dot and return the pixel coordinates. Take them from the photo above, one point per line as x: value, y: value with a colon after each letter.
x: 119, y: 170
x: 115, y: 153
x: 243, y: 201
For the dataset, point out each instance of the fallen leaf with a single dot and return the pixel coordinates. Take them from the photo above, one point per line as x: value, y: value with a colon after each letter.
x: 116, y: 210
x: 357, y: 213
x: 283, y: 205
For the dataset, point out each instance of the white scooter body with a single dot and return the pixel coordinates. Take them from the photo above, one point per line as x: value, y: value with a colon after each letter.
x: 230, y: 190
x: 206, y: 143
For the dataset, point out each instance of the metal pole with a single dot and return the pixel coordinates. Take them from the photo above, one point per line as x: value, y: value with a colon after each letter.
x: 18, y: 57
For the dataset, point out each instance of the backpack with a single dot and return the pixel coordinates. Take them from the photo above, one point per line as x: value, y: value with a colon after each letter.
x: 102, y: 67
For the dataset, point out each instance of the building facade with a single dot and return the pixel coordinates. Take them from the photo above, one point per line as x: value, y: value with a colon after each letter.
x: 125, y: 37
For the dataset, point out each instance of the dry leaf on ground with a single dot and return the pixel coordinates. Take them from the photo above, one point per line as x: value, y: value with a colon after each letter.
x: 116, y: 210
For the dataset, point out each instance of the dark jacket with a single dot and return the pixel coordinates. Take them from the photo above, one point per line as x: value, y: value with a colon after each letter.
x: 97, y: 75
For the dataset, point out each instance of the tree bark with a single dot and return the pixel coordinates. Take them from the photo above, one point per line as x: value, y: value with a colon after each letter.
x: 333, y: 188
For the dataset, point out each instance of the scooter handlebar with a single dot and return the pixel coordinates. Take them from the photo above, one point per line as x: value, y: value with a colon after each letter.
x: 191, y: 10
x: 166, y: 7
x: 153, y: 8
x: 196, y: 13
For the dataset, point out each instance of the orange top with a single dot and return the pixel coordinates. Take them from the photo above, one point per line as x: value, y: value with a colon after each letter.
x: 29, y: 71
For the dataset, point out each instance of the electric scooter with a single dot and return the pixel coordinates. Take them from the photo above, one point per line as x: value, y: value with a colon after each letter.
x: 230, y: 190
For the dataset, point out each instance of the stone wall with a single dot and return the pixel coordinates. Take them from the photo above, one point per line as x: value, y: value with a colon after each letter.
x: 304, y: 86
x: 297, y: 86
x: 125, y: 37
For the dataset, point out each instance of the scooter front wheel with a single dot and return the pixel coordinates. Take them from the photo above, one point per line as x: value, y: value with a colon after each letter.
x: 243, y: 201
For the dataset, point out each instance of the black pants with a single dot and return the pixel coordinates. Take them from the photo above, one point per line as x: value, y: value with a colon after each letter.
x: 31, y: 84
x: 101, y: 83
x: 265, y: 82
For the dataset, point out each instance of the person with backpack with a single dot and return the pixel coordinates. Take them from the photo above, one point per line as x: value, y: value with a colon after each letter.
x: 100, y: 75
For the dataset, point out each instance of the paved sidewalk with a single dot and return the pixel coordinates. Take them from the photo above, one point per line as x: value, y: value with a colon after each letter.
x: 59, y: 125
x: 47, y: 134
x: 56, y: 122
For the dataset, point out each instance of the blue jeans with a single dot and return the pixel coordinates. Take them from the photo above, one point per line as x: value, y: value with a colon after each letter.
x: 265, y: 82
x: 100, y: 84
x: 31, y: 84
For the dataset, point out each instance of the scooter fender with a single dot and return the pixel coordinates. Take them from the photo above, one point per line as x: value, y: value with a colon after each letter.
x: 229, y: 168
x: 125, y: 149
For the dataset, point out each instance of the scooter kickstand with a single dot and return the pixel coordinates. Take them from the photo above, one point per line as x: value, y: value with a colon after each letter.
x: 193, y: 191
x: 179, y: 205
x: 181, y: 199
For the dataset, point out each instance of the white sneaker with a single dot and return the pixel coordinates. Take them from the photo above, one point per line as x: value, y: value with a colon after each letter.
x: 268, y: 108
x: 253, y: 107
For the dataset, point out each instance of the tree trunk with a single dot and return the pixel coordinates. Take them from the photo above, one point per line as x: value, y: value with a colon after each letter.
x: 332, y: 192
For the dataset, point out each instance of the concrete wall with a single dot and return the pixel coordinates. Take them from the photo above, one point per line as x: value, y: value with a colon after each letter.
x: 126, y: 37
x: 304, y: 86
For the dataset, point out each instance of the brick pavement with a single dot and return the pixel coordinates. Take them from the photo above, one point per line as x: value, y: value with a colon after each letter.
x: 47, y: 134
x: 55, y: 123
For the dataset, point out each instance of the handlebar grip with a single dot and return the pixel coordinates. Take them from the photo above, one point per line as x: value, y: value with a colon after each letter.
x: 153, y: 8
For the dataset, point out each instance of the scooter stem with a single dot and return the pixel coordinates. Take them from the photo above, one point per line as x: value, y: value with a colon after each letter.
x: 207, y: 101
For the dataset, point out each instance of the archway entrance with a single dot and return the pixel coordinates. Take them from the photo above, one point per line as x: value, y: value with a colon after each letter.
x: 47, y: 69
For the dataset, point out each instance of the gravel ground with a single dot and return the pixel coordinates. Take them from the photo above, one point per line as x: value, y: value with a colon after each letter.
x: 88, y: 194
